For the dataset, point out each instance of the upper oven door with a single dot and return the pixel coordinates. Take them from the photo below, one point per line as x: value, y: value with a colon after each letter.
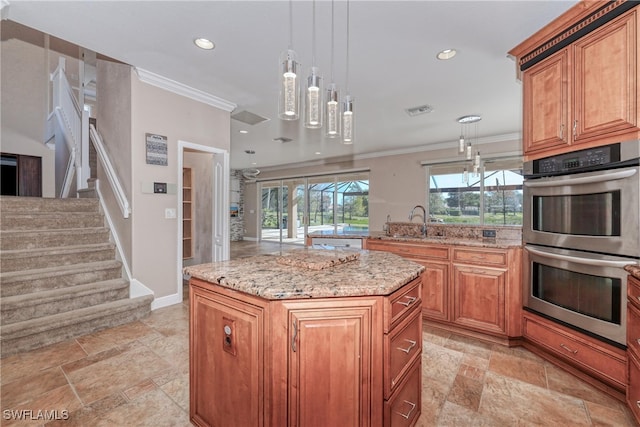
x: 595, y: 211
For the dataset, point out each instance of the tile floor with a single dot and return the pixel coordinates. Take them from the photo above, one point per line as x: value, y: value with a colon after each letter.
x: 137, y: 374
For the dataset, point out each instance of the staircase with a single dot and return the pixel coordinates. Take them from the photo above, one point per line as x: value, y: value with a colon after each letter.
x: 59, y: 277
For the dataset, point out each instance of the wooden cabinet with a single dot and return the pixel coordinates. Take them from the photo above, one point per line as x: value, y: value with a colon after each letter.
x: 577, y: 352
x: 331, y: 357
x: 226, y: 359
x: 187, y: 214
x: 584, y: 95
x: 475, y: 289
x: 633, y: 345
x: 353, y: 361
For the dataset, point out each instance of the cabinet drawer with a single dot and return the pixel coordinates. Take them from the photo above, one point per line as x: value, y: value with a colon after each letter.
x: 633, y: 328
x: 400, y: 303
x: 403, y: 409
x: 605, y: 362
x: 633, y: 290
x: 633, y: 390
x: 417, y: 249
x: 484, y: 257
x: 401, y: 347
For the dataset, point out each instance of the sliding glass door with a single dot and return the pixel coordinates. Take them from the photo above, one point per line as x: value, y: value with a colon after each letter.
x: 292, y: 208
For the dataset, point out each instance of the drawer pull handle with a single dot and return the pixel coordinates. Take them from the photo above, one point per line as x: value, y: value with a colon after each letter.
x: 410, y: 300
x: 408, y: 349
x: 638, y: 297
x: 638, y: 403
x: 568, y: 349
x: 638, y: 340
x: 408, y: 414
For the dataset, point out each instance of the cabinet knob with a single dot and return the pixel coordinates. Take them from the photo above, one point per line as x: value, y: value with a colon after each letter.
x: 408, y: 414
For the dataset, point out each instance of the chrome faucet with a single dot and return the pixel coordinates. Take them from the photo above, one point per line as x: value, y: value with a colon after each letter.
x: 424, y: 218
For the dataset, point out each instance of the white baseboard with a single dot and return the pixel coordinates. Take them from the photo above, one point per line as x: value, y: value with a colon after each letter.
x: 253, y: 239
x: 166, y: 301
x: 137, y: 289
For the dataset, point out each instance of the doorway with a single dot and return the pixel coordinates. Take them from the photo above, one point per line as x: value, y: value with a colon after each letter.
x: 203, y: 205
x: 21, y: 175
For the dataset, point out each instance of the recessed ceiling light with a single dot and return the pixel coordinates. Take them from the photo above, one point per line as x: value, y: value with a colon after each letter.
x: 205, y: 44
x: 446, y: 54
x: 250, y: 151
x: 243, y: 131
x: 318, y: 153
x: 254, y: 163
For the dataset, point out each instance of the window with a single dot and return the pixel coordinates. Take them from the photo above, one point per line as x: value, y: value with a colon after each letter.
x: 491, y: 197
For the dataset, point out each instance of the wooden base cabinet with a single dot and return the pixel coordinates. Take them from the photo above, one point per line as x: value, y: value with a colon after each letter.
x: 633, y: 345
x: 353, y: 361
x: 469, y: 288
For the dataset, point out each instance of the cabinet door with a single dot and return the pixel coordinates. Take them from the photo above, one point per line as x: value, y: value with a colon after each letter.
x: 226, y: 352
x: 479, y: 298
x: 606, y: 80
x: 330, y: 364
x: 546, y: 103
x: 435, y: 289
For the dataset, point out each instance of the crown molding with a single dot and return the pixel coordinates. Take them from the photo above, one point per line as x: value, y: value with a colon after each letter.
x: 182, y: 89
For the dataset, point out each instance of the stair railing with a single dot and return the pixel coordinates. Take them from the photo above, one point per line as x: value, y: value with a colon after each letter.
x: 69, y: 116
x: 110, y: 172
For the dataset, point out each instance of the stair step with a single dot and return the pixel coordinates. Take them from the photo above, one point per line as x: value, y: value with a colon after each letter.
x: 38, y: 204
x: 49, y: 220
x: 51, y: 257
x: 20, y: 308
x: 25, y: 239
x: 29, y: 281
x: 24, y: 336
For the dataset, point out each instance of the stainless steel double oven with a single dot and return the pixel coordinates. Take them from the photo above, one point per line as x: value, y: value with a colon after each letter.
x: 580, y: 228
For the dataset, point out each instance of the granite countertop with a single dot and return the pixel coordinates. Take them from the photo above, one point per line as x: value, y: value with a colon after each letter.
x: 456, y: 241
x: 340, y: 273
x: 633, y: 269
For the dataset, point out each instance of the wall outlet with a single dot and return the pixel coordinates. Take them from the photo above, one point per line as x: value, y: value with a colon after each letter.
x: 170, y: 213
x: 489, y: 233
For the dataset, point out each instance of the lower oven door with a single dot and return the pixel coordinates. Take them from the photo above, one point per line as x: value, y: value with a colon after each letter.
x: 583, y: 290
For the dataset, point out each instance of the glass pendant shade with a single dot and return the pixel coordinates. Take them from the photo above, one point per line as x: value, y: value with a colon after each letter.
x: 347, y: 120
x: 461, y: 145
x: 333, y: 112
x: 289, y: 99
x: 313, y: 100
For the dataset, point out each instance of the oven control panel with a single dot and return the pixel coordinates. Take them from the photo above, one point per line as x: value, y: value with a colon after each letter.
x: 576, y: 161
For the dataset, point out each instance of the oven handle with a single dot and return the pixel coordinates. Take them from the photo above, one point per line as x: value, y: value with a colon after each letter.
x: 578, y: 260
x: 610, y: 176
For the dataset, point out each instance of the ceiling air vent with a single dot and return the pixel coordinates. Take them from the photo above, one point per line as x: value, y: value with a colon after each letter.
x: 282, y: 139
x: 248, y: 118
x: 416, y: 111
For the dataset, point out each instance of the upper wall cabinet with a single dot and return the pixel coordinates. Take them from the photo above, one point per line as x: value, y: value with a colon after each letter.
x: 580, y: 79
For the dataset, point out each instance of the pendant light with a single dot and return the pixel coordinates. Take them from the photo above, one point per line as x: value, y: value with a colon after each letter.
x: 289, y: 99
x: 313, y: 99
x: 347, y: 103
x: 333, y: 96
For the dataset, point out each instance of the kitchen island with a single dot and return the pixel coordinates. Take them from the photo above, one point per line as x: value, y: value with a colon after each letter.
x: 306, y: 337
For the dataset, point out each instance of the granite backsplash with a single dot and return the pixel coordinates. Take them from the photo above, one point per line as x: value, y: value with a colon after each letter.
x: 413, y: 229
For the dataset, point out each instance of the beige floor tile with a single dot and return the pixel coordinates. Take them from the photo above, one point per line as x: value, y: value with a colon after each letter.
x: 519, y: 403
x: 606, y: 416
x: 25, y: 364
x: 137, y: 390
x: 178, y: 390
x: 469, y: 346
x: 466, y: 392
x: 440, y: 365
x: 119, y: 372
x: 151, y: 409
x: 56, y: 404
x: 523, y: 369
x: 90, y: 414
x: 566, y: 383
x: 453, y: 415
x: 113, y: 337
x: 31, y: 387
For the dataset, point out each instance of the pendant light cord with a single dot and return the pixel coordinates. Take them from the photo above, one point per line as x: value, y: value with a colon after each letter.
x: 347, y: 80
x: 332, y: 40
x: 290, y: 24
x: 313, y: 36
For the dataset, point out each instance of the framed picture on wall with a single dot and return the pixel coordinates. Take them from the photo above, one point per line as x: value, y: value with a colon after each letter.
x: 156, y: 149
x: 234, y: 211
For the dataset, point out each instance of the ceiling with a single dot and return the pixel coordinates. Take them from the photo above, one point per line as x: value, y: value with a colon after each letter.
x: 392, y: 63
